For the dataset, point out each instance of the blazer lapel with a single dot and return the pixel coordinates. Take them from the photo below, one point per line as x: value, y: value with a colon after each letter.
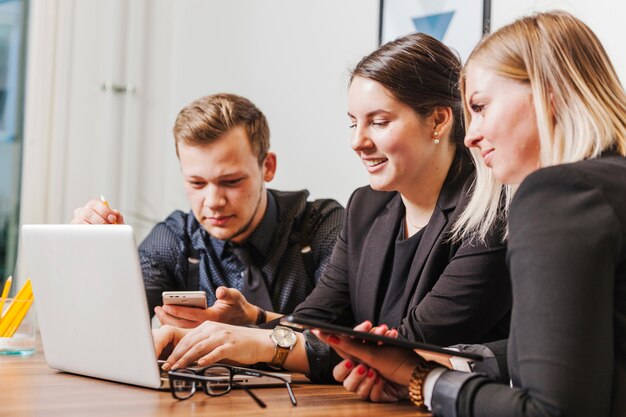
x: 435, y: 231
x: 371, y: 265
x: 436, y: 224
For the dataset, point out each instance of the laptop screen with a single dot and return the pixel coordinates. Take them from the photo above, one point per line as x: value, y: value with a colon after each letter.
x: 90, y: 301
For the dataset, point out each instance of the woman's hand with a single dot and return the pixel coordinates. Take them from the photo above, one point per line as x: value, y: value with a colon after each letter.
x: 367, y: 384
x: 393, y: 364
x: 212, y: 342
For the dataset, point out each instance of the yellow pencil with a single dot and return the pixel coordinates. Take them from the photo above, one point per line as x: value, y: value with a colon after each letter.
x: 5, y: 293
x: 16, y: 312
x: 106, y: 203
x: 7, y: 318
x: 24, y: 306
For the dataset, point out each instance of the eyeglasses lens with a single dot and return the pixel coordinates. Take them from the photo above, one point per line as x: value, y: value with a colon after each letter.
x: 218, y: 380
x: 183, y: 388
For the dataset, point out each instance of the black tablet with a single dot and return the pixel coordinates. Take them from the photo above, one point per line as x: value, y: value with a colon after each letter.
x: 305, y: 323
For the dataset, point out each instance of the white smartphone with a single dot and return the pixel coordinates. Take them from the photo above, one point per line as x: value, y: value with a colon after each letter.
x: 185, y: 298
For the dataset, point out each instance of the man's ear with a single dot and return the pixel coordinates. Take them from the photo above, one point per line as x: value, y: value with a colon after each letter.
x: 269, y: 167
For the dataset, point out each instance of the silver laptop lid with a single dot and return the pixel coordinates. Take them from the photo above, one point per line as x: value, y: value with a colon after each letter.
x: 90, y: 300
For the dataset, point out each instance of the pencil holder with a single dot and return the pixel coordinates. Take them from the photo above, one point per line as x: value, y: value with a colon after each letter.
x: 17, y: 327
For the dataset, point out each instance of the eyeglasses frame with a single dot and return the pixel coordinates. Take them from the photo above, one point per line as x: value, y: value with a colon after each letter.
x: 198, y: 378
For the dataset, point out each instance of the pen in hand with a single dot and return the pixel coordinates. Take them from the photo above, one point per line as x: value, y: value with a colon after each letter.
x: 106, y: 203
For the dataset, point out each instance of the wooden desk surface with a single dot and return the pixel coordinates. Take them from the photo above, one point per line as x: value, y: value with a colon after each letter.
x: 29, y: 388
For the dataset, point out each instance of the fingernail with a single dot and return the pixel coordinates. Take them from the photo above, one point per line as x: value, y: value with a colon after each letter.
x: 166, y: 366
x: 370, y: 373
x: 111, y: 218
x: 349, y: 364
x: 360, y: 369
x: 333, y: 340
x: 176, y: 366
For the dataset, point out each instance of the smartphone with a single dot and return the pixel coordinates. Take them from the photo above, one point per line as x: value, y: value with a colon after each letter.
x: 185, y: 298
x: 305, y: 323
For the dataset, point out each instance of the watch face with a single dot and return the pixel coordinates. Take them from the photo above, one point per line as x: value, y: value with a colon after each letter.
x: 284, y: 337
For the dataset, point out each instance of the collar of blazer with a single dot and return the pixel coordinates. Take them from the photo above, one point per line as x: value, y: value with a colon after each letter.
x: 383, y: 232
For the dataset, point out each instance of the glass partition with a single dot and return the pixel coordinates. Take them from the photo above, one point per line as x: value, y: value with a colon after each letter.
x: 12, y: 59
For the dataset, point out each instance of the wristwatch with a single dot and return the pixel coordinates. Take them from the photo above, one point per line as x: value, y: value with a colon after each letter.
x: 284, y: 340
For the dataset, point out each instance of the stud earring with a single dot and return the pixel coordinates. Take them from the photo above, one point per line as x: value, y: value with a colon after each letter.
x: 436, y: 137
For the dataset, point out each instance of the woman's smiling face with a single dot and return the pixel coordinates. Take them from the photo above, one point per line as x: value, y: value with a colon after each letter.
x: 393, y: 141
x: 503, y: 126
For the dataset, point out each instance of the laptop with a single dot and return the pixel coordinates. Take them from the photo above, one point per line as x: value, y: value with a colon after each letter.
x: 91, y: 303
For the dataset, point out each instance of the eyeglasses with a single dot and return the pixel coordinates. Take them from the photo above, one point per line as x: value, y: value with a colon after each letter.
x: 216, y: 380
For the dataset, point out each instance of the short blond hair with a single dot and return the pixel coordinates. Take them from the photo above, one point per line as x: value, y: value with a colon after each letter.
x: 206, y: 119
x: 578, y: 99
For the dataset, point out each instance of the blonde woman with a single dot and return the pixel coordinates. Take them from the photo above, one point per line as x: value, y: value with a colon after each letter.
x: 545, y: 112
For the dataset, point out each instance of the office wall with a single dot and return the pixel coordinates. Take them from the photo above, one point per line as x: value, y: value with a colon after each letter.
x: 108, y: 78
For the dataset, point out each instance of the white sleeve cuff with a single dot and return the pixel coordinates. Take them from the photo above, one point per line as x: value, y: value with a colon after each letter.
x: 429, y: 384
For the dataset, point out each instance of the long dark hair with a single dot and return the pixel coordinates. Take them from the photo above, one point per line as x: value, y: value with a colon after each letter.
x: 419, y: 71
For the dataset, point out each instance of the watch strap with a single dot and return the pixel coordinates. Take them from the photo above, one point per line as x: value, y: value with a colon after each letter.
x: 261, y: 316
x: 279, y: 358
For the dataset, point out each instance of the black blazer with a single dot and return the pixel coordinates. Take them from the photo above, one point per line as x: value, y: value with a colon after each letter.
x: 455, y: 292
x: 567, y: 255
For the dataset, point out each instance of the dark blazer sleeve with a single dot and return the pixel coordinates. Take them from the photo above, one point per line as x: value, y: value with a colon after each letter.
x: 331, y: 296
x: 564, y: 247
x: 330, y: 302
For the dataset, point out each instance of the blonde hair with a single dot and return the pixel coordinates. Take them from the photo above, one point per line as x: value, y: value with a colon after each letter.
x: 578, y: 99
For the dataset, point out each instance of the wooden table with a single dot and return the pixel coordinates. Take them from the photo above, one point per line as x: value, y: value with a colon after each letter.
x: 29, y: 388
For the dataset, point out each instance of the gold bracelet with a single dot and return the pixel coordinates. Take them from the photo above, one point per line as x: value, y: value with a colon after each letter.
x: 416, y: 385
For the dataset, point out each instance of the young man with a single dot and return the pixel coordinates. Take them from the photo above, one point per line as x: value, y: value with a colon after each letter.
x: 251, y: 249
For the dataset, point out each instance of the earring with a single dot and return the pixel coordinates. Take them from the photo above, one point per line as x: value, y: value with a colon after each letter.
x: 436, y: 137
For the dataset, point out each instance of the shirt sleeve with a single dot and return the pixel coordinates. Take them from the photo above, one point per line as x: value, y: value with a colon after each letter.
x: 564, y: 247
x: 159, y: 254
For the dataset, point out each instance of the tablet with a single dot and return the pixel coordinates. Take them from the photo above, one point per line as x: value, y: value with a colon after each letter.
x: 446, y: 356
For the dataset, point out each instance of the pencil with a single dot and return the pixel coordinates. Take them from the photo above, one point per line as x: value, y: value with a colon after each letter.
x: 5, y: 293
x: 7, y: 319
x: 106, y: 203
x: 23, y: 308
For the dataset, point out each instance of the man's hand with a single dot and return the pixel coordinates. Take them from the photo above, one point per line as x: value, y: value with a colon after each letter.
x: 231, y: 307
x: 212, y: 342
x: 166, y: 336
x: 97, y: 212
